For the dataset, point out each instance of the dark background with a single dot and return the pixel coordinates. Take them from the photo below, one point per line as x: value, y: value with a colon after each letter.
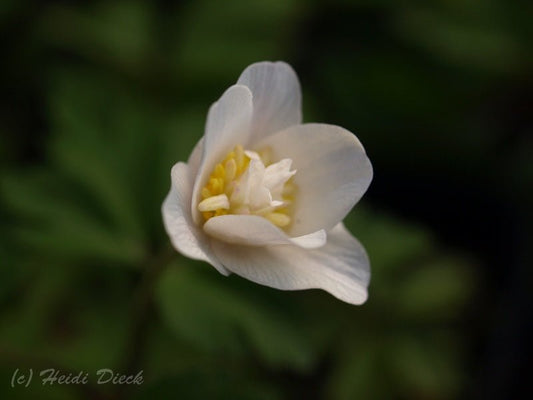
x: 99, y: 99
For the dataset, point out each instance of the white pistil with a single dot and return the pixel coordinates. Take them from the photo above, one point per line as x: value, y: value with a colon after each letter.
x: 252, y: 155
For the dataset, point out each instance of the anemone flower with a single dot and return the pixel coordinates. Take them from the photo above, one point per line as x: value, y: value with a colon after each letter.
x: 263, y: 195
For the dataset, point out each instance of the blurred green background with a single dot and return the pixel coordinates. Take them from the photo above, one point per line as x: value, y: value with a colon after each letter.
x: 100, y: 98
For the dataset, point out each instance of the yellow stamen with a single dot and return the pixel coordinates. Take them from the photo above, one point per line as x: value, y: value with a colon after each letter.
x: 231, y: 169
x: 221, y: 182
x: 216, y: 194
x: 278, y: 219
x: 239, y: 158
x: 214, y: 203
x: 219, y: 171
x: 206, y: 193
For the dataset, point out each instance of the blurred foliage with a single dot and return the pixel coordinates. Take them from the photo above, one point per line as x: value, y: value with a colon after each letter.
x: 101, y: 98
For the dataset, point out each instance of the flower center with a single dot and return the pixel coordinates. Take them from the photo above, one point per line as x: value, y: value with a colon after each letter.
x: 246, y: 182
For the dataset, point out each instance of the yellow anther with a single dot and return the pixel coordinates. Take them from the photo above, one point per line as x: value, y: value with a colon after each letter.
x: 230, y: 155
x: 212, y: 184
x: 231, y: 169
x: 221, y: 183
x: 225, y: 177
x: 278, y: 219
x: 219, y: 171
x: 220, y: 212
x: 208, y: 214
x: 239, y: 158
x: 214, y: 203
x: 229, y: 188
x: 206, y: 193
x: 216, y: 185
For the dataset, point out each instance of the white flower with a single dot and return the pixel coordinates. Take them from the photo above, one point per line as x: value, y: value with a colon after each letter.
x: 263, y: 195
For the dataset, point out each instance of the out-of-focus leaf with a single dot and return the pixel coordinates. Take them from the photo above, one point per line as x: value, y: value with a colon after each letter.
x: 413, y: 284
x: 355, y: 372
x: 471, y: 44
x: 13, y: 273
x: 101, y: 140
x: 58, y: 320
x: 380, y: 235
x: 9, y: 9
x: 435, y: 290
x: 117, y: 32
x: 203, y: 309
x: 212, y: 33
x: 54, y: 221
x: 427, y: 365
x: 118, y: 149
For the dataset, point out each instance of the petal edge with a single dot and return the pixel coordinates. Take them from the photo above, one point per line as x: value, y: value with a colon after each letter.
x: 277, y: 97
x: 341, y: 267
x: 184, y: 235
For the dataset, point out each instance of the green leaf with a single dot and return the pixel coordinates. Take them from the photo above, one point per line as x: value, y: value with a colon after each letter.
x: 208, y: 311
x: 480, y: 44
x: 427, y: 365
x: 53, y: 220
x: 206, y: 39
x: 57, y: 319
x: 355, y: 371
x: 117, y: 32
x: 390, y: 243
x: 436, y: 290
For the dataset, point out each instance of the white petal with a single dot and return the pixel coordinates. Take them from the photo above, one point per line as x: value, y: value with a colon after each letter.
x: 341, y: 267
x: 277, y: 97
x: 311, y: 240
x: 184, y: 235
x: 251, y: 230
x: 228, y: 124
x: 333, y: 173
x: 196, y: 158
